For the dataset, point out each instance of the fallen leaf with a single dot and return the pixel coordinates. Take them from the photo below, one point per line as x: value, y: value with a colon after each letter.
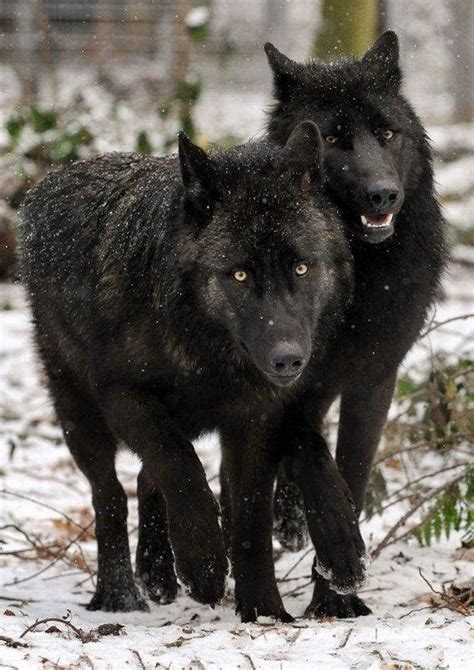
x: 110, y: 629
x: 53, y: 629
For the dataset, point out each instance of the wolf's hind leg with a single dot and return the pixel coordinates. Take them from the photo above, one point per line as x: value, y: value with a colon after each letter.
x: 93, y: 448
x: 154, y: 559
x: 289, y: 517
x: 171, y: 466
x: 289, y: 520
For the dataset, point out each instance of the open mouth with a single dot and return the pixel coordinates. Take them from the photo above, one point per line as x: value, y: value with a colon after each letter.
x: 377, y: 222
x: 377, y: 228
x: 283, y: 380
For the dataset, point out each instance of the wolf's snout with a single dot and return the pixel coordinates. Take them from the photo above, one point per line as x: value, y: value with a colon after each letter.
x: 287, y: 360
x: 383, y: 196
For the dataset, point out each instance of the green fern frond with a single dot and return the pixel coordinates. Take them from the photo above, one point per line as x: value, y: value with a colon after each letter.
x: 452, y: 511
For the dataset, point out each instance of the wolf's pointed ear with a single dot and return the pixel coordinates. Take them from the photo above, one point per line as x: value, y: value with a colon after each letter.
x: 196, y: 166
x: 303, y: 154
x: 286, y: 72
x: 199, y: 179
x: 382, y: 61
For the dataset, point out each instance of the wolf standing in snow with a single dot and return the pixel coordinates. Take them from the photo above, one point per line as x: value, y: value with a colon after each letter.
x: 379, y: 174
x: 175, y: 297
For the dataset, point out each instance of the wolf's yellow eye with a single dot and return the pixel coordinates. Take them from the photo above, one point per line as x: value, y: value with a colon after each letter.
x: 388, y: 134
x: 331, y: 139
x: 240, y: 275
x: 301, y: 269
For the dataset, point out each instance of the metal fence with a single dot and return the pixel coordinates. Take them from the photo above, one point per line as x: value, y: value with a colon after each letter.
x: 144, y: 38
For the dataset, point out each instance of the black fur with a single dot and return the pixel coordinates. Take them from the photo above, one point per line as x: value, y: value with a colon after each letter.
x: 148, y: 338
x: 397, y: 266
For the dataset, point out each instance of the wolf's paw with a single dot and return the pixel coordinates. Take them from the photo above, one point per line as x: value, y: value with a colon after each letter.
x: 289, y: 519
x: 117, y: 600
x: 205, y: 576
x: 261, y: 602
x: 162, y: 594
x: 201, y: 559
x: 333, y: 604
x: 340, y: 551
x: 161, y: 587
x: 344, y: 569
x: 155, y: 572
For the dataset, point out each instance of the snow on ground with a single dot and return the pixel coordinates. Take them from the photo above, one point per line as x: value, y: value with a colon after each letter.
x: 45, y: 497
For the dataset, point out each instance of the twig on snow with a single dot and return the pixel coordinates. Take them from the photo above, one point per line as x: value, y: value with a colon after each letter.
x: 139, y: 658
x: 295, y: 565
x: 249, y: 659
x: 42, y: 504
x: 346, y: 638
x: 83, y: 637
x: 452, y: 602
x: 430, y: 329
x: 297, y: 588
x: 56, y: 560
x: 10, y: 642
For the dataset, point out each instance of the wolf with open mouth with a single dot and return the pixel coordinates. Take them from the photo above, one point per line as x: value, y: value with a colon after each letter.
x: 378, y: 167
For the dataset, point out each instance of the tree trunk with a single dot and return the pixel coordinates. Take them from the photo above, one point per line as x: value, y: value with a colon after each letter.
x: 26, y: 63
x: 349, y: 28
x: 182, y: 46
x: 462, y: 54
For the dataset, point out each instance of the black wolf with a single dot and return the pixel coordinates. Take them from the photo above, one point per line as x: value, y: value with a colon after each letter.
x: 177, y: 296
x: 379, y: 175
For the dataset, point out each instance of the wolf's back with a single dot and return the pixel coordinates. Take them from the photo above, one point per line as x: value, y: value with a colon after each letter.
x: 80, y: 215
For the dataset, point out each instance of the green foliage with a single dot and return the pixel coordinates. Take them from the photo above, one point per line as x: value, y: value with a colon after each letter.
x: 453, y: 510
x: 197, y: 24
x: 448, y: 393
x: 66, y: 146
x: 405, y: 387
x: 187, y: 94
x: 435, y: 414
x: 181, y: 103
x: 143, y: 144
x: 14, y: 127
x: 53, y: 142
x: 226, y: 49
x: 42, y: 120
x: 435, y: 410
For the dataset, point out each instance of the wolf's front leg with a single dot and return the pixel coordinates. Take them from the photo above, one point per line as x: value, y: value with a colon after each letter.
x: 364, y: 409
x: 330, y: 511
x: 250, y: 463
x: 170, y: 464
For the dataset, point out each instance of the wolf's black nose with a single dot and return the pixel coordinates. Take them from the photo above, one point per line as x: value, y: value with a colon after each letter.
x: 383, y: 195
x: 287, y: 359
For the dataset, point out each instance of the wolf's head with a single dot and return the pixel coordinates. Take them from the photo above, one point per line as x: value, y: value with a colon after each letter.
x: 263, y: 260
x: 374, y: 143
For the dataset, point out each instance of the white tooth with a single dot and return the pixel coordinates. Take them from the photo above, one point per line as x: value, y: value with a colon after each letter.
x: 377, y: 225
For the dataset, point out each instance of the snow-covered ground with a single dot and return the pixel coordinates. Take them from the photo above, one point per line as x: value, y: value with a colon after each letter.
x: 46, y: 498
x: 46, y: 502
